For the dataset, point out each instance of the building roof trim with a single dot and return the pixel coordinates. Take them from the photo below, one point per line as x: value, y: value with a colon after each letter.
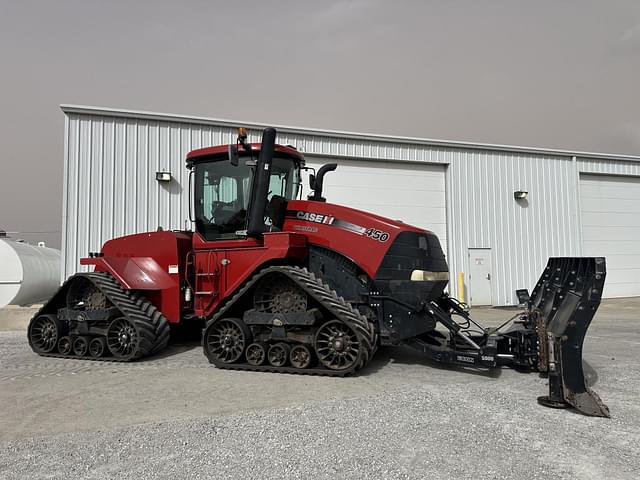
x: 139, y: 114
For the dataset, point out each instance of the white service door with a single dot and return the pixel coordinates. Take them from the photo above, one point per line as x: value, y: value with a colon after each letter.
x: 412, y: 193
x: 610, y: 209
x: 479, y: 276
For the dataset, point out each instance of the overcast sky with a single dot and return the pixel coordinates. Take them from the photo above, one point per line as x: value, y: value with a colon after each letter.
x: 562, y: 74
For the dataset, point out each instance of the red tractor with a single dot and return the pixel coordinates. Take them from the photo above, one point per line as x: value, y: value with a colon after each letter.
x: 305, y: 286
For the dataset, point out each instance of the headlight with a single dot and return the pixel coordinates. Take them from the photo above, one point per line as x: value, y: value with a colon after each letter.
x: 424, y: 276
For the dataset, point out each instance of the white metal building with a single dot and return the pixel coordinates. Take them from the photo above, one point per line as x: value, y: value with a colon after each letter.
x: 577, y: 203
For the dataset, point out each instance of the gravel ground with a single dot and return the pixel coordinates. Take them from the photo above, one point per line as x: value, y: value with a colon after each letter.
x: 176, y: 417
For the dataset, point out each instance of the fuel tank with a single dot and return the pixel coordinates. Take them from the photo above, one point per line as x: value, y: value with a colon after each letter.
x: 28, y: 274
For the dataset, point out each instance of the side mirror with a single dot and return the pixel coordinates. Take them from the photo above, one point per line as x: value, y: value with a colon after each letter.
x: 312, y: 181
x: 234, y: 158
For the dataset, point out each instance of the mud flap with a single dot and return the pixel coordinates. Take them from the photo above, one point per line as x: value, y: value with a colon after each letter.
x: 564, y: 301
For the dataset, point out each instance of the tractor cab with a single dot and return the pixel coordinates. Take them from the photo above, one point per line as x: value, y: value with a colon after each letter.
x: 227, y: 192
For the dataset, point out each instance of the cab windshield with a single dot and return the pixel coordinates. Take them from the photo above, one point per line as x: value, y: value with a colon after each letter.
x: 222, y: 194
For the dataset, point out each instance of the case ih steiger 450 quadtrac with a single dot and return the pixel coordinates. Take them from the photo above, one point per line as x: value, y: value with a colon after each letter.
x: 306, y: 286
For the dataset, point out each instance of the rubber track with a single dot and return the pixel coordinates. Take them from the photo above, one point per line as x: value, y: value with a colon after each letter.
x: 316, y: 288
x: 150, y: 322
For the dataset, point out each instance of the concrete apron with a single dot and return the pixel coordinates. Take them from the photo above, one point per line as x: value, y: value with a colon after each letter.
x: 16, y: 318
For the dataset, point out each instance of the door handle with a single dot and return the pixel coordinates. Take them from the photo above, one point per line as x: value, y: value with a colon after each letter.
x: 488, y: 276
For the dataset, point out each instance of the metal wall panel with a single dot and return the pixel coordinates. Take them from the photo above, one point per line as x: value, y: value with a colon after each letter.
x: 110, y: 181
x: 609, y: 167
x: 482, y: 213
x: 110, y: 190
x: 111, y: 160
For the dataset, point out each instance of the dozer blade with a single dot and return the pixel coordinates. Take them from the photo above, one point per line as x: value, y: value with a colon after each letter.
x: 564, y: 301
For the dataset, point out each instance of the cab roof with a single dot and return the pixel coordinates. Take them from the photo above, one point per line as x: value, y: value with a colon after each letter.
x: 222, y: 151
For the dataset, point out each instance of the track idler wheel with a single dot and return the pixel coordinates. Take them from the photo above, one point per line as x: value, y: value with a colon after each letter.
x: 83, y: 293
x: 279, y: 294
x: 80, y: 346
x: 300, y: 356
x: 337, y: 346
x: 97, y: 347
x: 256, y: 354
x: 64, y: 345
x: 279, y: 354
x: 44, y: 333
x: 122, y: 338
x: 225, y: 340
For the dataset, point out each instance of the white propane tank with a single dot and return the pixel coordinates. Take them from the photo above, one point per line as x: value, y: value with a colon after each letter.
x: 28, y: 274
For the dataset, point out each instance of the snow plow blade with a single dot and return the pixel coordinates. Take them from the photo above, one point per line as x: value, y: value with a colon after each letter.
x: 563, y: 303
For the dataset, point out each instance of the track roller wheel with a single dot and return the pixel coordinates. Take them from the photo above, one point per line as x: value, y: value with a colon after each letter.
x: 226, y: 339
x: 97, y: 347
x: 64, y: 345
x: 44, y: 333
x: 337, y: 346
x: 256, y: 353
x: 279, y: 354
x: 122, y: 338
x: 81, y: 346
x: 300, y: 356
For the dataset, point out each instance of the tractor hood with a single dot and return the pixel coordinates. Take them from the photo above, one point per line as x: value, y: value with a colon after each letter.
x: 373, y: 242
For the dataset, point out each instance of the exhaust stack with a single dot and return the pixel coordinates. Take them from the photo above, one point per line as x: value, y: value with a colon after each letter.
x: 317, y: 182
x: 260, y: 190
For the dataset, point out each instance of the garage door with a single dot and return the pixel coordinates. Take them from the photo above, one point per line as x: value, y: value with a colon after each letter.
x: 611, y: 228
x: 412, y: 193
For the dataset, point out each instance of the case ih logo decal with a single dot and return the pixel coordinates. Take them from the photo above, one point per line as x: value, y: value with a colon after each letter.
x: 372, y: 233
x: 315, y: 217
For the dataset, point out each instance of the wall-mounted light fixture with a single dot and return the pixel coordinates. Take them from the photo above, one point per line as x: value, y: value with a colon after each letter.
x: 520, y: 195
x: 163, y: 176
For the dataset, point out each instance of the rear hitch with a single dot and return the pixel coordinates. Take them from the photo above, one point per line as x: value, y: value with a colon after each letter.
x: 564, y: 302
x: 547, y: 337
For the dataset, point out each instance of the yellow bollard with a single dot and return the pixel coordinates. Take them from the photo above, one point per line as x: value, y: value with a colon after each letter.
x: 461, y: 296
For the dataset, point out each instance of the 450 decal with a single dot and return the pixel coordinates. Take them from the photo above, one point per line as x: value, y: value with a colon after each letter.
x: 377, y: 234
